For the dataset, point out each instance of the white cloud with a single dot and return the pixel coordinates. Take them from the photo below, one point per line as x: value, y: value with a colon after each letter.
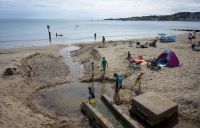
x: 93, y: 8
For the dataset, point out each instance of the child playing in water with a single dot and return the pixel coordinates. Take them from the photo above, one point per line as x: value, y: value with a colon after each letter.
x: 91, y: 97
x: 104, y: 64
x: 92, y: 70
x: 118, y: 86
x: 138, y: 82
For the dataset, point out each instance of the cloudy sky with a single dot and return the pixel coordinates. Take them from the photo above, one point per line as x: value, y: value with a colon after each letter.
x: 92, y: 9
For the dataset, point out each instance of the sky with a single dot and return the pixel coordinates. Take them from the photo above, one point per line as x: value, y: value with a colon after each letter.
x: 92, y: 9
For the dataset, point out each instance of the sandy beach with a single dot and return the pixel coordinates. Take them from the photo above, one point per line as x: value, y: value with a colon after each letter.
x: 180, y: 84
x: 42, y: 67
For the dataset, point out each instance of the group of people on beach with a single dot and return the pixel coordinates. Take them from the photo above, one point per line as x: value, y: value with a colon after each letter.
x: 118, y: 82
x: 191, y: 38
x: 103, y: 40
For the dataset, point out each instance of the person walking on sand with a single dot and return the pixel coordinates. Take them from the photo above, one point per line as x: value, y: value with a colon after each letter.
x: 190, y: 38
x: 103, y: 41
x: 118, y: 86
x: 138, y: 82
x: 95, y: 36
x: 93, y: 68
x: 104, y: 64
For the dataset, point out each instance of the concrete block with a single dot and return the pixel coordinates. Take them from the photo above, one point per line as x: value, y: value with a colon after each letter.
x: 153, y: 108
x: 116, y: 109
x: 97, y: 119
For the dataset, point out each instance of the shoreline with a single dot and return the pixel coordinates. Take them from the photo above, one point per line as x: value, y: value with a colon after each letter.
x: 134, y: 38
x: 86, y: 55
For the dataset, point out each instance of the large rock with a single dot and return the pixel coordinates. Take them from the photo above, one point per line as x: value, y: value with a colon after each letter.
x: 153, y: 108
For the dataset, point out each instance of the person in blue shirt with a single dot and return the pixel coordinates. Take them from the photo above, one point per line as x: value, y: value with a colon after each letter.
x: 104, y: 64
x: 118, y: 86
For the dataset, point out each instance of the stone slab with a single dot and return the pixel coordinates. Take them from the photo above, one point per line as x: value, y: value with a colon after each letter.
x: 153, y: 108
x: 95, y: 117
x: 116, y: 109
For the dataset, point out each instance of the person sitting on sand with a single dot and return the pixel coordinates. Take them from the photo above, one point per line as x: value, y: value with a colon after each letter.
x: 91, y: 97
x: 103, y: 41
x: 93, y: 68
x: 104, y: 64
x: 153, y: 43
x: 137, y: 44
x: 146, y: 44
x: 138, y: 82
x: 118, y: 86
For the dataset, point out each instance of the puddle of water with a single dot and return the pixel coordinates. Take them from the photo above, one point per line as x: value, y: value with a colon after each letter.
x: 65, y: 100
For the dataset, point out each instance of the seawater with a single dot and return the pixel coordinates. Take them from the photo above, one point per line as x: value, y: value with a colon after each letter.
x: 28, y: 32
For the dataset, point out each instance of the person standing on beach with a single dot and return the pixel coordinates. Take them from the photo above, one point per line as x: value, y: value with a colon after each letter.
x: 118, y: 86
x: 138, y: 82
x: 92, y: 70
x: 95, y: 36
x: 190, y: 38
x: 104, y: 64
x: 103, y: 41
x: 194, y: 36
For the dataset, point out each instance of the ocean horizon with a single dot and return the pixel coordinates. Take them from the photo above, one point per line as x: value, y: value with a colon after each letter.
x: 33, y: 32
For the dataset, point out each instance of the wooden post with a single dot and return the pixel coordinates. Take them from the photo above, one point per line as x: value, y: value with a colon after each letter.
x: 49, y: 36
x: 48, y: 27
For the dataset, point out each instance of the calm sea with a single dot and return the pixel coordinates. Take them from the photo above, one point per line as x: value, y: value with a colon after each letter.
x: 23, y: 33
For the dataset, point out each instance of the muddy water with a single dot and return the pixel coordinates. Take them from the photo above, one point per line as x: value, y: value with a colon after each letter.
x: 65, y: 100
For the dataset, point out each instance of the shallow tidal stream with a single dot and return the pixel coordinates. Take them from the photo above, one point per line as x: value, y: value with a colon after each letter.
x: 65, y: 100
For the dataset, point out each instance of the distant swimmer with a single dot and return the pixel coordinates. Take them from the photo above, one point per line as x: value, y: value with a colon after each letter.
x: 60, y: 35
